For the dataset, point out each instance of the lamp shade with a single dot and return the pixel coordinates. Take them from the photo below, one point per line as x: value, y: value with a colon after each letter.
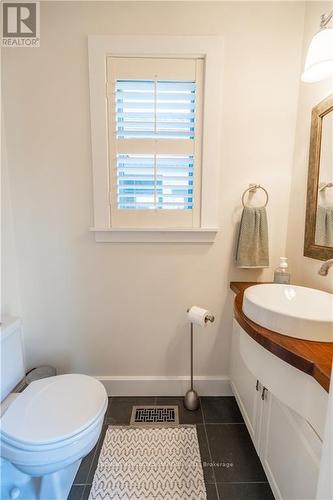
x: 319, y: 59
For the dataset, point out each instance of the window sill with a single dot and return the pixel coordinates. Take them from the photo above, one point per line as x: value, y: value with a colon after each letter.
x: 155, y: 235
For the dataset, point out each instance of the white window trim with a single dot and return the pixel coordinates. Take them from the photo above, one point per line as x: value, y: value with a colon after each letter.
x: 208, y: 47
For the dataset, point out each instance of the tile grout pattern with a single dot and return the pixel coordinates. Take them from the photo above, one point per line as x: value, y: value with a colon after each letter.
x: 232, y: 469
x: 209, y: 452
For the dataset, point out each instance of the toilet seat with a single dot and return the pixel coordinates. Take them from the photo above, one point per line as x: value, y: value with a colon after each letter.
x: 54, y: 411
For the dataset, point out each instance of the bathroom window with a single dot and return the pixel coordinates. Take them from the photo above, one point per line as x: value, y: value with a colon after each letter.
x: 155, y: 135
x: 155, y: 106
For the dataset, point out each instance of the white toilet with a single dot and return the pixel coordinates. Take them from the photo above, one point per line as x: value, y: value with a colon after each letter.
x: 47, y: 429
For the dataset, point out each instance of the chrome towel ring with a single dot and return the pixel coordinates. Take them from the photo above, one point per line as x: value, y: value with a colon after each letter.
x: 253, y: 188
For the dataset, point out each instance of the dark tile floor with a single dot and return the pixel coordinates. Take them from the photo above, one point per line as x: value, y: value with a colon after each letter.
x: 232, y: 469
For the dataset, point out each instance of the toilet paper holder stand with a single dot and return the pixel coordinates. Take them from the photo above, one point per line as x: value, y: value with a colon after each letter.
x: 191, y: 398
x: 208, y: 317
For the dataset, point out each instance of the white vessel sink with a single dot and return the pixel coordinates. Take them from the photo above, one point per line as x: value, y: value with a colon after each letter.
x: 294, y: 311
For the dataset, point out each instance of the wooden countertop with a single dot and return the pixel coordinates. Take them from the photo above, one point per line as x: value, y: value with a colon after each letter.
x: 313, y: 358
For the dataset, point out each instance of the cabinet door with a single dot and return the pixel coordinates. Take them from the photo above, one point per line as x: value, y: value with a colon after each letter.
x: 290, y: 451
x: 244, y: 385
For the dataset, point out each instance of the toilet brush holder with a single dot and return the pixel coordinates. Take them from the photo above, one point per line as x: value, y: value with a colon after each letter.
x: 191, y: 400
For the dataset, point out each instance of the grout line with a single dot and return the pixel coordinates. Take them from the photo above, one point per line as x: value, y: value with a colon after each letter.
x: 225, y: 423
x: 202, y: 410
x: 210, y: 454
x: 94, y: 456
x: 217, y: 491
x: 85, y: 488
x: 93, y: 459
x: 242, y: 482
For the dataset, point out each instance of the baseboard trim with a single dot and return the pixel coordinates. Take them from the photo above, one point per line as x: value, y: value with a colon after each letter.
x: 165, y: 386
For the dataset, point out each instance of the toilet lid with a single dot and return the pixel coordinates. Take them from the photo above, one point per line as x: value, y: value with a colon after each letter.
x: 54, y: 409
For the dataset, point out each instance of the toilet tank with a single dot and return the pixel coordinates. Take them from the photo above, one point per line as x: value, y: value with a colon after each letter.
x: 12, y: 360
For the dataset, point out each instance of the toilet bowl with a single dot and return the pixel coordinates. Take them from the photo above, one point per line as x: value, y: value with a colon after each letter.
x: 46, y: 430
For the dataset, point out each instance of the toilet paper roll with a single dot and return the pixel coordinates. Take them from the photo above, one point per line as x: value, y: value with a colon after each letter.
x: 198, y: 316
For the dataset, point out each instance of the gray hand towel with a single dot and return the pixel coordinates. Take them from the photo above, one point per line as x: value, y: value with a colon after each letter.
x: 324, y: 226
x: 252, y: 245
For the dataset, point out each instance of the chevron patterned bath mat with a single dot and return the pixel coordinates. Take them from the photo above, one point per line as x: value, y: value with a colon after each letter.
x: 149, y: 464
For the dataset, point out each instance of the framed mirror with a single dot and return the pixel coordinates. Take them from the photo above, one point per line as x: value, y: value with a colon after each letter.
x: 318, y: 242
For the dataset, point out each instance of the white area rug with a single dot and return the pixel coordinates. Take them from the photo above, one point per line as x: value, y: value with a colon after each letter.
x: 149, y: 464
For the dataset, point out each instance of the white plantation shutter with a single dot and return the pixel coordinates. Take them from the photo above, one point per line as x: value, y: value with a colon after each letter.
x: 155, y: 141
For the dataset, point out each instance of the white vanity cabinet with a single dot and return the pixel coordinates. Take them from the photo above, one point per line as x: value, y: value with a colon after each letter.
x: 287, y: 445
x: 245, y: 388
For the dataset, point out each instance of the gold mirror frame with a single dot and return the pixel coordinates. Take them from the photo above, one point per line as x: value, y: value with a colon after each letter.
x: 310, y: 248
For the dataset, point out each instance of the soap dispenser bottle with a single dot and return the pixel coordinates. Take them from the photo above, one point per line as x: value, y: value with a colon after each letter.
x: 281, y: 273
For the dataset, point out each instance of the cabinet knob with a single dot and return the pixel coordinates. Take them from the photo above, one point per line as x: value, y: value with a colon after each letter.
x: 257, y: 385
x: 263, y: 393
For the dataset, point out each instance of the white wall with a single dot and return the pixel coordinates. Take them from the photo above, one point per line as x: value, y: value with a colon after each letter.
x: 10, y: 304
x: 117, y: 309
x: 305, y: 270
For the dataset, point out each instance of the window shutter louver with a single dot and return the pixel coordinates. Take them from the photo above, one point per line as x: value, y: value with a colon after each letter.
x: 155, y: 182
x: 155, y: 110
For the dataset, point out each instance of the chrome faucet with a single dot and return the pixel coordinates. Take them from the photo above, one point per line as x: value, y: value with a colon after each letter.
x: 324, y: 268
